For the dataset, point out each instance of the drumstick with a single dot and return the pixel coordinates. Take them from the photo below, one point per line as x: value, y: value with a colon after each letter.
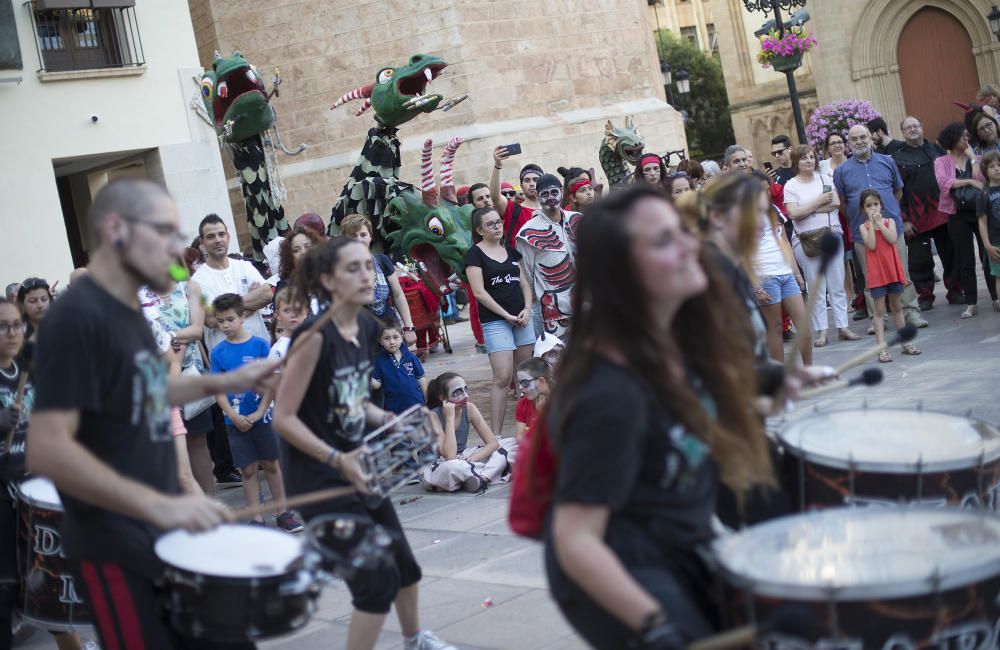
x: 904, y: 335
x: 788, y: 620
x: 870, y: 377
x: 829, y: 244
x: 302, y: 500
x: 739, y: 637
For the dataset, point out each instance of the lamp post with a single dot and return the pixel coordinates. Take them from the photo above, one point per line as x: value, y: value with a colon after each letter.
x: 668, y: 80
x: 682, y: 78
x: 994, y: 18
x: 767, y: 6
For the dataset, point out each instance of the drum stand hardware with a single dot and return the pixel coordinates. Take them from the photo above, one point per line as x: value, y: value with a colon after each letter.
x: 853, y: 467
x: 920, y: 477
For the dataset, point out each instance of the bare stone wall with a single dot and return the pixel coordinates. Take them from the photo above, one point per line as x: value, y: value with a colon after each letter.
x: 539, y: 72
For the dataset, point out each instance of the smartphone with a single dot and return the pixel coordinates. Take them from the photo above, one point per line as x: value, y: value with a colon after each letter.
x: 827, y: 188
x: 768, y: 166
x: 513, y: 149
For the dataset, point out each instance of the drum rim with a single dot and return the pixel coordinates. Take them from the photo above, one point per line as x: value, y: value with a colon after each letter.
x: 889, y: 467
x: 292, y: 567
x: 49, y: 625
x: 36, y: 502
x: 908, y: 588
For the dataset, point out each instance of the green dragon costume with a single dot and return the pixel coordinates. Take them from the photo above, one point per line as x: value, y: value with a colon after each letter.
x: 430, y: 228
x: 238, y: 106
x: 620, y: 146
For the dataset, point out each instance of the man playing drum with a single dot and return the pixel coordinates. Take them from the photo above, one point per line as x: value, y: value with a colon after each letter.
x: 101, y: 426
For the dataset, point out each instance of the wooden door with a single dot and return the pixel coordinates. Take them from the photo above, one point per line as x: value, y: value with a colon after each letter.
x: 937, y: 68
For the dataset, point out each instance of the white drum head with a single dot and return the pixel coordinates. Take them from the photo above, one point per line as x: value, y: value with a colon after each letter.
x: 863, y: 553
x: 40, y: 492
x: 231, y: 551
x: 891, y: 440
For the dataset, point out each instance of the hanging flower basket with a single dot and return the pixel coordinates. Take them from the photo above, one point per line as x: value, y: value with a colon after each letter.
x: 784, y: 53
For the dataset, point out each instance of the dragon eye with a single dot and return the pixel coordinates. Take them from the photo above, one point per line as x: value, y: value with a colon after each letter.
x: 385, y: 76
x: 207, y: 86
x: 435, y: 226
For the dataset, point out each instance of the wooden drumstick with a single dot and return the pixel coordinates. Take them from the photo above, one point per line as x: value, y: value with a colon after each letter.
x: 306, y: 499
x: 870, y: 377
x: 739, y: 637
x: 904, y: 335
x: 829, y: 244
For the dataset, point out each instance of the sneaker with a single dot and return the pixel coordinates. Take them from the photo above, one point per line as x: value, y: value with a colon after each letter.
x: 788, y: 336
x: 287, y: 522
x: 969, y: 312
x: 426, y: 640
x: 917, y: 321
x: 860, y: 314
x: 233, y: 479
x: 256, y: 522
x: 473, y: 484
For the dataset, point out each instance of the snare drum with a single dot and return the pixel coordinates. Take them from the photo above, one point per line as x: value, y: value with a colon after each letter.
x: 47, y: 593
x: 887, y: 456
x: 895, y: 578
x: 236, y: 583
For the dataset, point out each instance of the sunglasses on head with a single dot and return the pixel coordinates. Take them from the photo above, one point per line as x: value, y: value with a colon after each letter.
x: 34, y: 283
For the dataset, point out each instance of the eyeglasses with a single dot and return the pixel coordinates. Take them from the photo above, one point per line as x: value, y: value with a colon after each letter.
x: 775, y: 154
x: 836, y: 143
x: 911, y: 127
x: 461, y: 390
x: 6, y: 329
x: 496, y: 223
x: 509, y: 194
x: 525, y: 383
x: 985, y: 126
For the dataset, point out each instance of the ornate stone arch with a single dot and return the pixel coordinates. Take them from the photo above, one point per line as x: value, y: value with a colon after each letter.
x: 874, y: 65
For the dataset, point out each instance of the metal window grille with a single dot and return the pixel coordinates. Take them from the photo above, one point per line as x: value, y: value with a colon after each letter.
x: 86, y: 39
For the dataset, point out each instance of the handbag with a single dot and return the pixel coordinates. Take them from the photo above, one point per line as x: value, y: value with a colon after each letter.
x: 967, y: 195
x: 533, y: 483
x: 195, y: 408
x: 810, y: 240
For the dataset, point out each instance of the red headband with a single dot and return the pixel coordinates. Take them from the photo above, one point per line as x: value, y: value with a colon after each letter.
x: 575, y: 187
x: 649, y: 158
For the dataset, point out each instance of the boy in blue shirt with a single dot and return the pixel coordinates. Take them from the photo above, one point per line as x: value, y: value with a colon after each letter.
x: 250, y: 438
x: 398, y: 372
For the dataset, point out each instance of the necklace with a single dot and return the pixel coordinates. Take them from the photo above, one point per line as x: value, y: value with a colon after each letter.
x: 11, y: 376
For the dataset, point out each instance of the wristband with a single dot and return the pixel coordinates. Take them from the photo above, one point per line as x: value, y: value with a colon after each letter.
x: 331, y: 457
x: 495, y: 167
x: 409, y: 329
x: 652, y: 621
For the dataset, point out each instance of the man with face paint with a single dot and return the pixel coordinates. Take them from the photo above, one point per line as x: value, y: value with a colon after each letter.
x: 547, y: 244
x: 514, y: 214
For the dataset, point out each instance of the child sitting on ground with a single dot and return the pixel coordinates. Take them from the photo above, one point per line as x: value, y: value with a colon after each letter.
x: 460, y: 466
x: 251, y: 439
x: 883, y: 268
x: 534, y: 378
x: 398, y: 372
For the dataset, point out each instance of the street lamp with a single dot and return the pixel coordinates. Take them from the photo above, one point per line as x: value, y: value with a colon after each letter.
x: 683, y: 81
x: 994, y: 18
x: 668, y: 80
x: 800, y: 17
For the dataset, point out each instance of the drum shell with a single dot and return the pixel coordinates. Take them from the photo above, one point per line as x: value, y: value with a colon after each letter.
x: 962, y: 617
x: 12, y: 461
x: 46, y: 583
x: 813, y: 485
x: 235, y: 610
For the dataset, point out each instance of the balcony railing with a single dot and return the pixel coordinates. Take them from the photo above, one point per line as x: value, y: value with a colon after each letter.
x: 89, y: 38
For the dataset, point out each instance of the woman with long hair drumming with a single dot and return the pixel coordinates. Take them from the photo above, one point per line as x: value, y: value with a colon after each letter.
x: 321, y: 411
x: 652, y: 411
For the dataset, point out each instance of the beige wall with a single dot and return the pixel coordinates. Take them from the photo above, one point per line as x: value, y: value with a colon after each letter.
x: 856, y: 57
x: 532, y: 78
x: 146, y: 112
x: 675, y: 15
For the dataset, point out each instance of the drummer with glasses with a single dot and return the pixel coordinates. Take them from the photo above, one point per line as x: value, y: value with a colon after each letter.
x: 101, y: 428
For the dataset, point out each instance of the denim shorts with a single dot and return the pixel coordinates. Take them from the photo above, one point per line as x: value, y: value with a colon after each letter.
x: 893, y: 287
x: 780, y: 287
x: 248, y: 447
x: 501, y: 336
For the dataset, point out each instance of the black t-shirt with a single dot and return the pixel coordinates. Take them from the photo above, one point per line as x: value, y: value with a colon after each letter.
x: 783, y: 174
x: 333, y: 406
x: 501, y: 279
x: 989, y: 204
x: 621, y: 449
x: 12, y: 466
x: 97, y: 355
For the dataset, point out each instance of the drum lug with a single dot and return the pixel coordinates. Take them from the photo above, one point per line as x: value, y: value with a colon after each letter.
x: 253, y: 632
x: 195, y: 581
x: 852, y: 467
x: 920, y: 406
x: 303, y: 583
x: 920, y: 477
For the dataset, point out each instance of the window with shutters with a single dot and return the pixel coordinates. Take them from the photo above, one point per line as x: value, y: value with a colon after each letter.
x: 86, y: 34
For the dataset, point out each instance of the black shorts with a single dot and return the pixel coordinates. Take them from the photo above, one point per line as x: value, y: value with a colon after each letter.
x: 127, y: 611
x: 374, y: 591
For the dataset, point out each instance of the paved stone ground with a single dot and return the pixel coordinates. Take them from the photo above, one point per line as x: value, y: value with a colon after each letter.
x: 469, y: 555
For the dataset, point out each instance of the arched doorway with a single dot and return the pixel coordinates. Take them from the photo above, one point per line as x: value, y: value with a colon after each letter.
x: 937, y: 68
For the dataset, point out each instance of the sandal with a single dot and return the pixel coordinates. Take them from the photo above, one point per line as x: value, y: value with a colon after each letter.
x: 820, y: 341
x: 912, y: 350
x: 883, y: 357
x: 847, y: 335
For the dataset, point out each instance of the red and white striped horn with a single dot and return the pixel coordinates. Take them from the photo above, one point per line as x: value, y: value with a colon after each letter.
x: 364, y: 107
x: 448, y: 160
x: 357, y: 93
x: 427, y: 166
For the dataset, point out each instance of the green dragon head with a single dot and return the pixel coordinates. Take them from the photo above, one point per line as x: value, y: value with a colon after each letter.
x: 435, y: 237
x: 625, y: 142
x: 234, y: 96
x: 399, y: 94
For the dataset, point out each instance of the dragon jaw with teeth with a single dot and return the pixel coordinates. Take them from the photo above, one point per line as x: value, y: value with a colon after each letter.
x: 433, y: 231
x: 620, y: 147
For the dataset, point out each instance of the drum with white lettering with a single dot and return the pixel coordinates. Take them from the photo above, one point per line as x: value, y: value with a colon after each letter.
x: 885, y: 456
x: 47, y: 597
x: 878, y: 578
x: 237, y: 583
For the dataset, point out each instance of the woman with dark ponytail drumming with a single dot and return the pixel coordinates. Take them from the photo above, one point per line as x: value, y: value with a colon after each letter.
x: 322, y: 410
x: 651, y: 413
